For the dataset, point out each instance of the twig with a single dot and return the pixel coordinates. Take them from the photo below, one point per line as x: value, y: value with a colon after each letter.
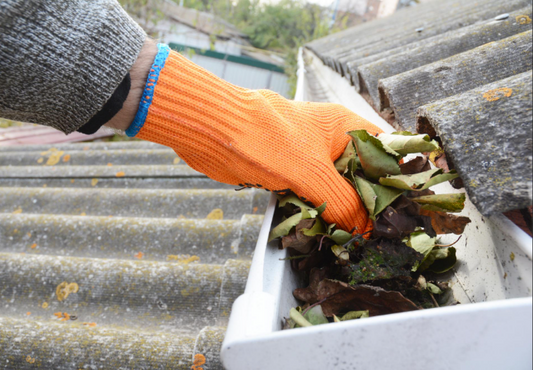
x: 295, y: 257
x: 358, y: 236
x: 434, y: 300
x: 448, y: 245
x: 313, y: 305
x: 321, y: 240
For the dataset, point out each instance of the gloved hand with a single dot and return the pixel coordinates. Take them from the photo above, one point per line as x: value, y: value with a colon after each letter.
x: 252, y: 138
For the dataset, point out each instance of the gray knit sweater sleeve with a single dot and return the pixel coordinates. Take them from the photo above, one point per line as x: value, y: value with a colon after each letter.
x: 61, y: 60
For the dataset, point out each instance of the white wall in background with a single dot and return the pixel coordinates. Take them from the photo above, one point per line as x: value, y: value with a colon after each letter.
x: 243, y: 75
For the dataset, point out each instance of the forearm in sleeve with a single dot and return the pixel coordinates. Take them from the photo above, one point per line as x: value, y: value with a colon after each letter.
x: 61, y: 60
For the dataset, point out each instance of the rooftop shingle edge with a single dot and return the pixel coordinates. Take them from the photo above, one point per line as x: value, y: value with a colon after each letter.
x: 487, y: 132
x: 400, y: 29
x: 434, y: 25
x: 405, y: 92
x: 370, y: 70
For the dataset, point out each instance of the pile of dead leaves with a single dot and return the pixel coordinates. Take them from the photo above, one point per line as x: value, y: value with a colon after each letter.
x: 357, y: 276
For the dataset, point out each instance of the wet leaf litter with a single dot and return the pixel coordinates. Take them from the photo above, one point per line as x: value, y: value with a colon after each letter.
x: 396, y: 267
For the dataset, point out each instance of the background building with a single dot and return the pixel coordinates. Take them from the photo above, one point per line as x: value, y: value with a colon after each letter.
x: 219, y: 47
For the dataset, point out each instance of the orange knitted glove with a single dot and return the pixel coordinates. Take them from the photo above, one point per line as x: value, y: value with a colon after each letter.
x: 252, y: 138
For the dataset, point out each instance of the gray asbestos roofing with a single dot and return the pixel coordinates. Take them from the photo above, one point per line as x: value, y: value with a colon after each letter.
x: 131, y: 226
x: 459, y: 70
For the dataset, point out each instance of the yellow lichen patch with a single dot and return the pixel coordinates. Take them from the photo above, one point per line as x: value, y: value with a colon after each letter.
x: 44, y: 305
x: 28, y: 235
x: 523, y: 19
x: 89, y: 324
x: 177, y: 160
x: 110, y: 164
x: 139, y: 255
x: 254, y: 210
x: 120, y: 174
x: 182, y: 258
x: 190, y: 259
x: 216, y: 214
x: 15, y: 231
x: 33, y: 246
x: 83, y: 214
x: 72, y: 181
x: 94, y: 182
x: 85, y: 148
x: 40, y: 160
x: 66, y: 158
x: 17, y: 211
x: 54, y: 158
x: 49, y: 151
x: 63, y: 316
x: 64, y: 289
x: 198, y: 361
x: 30, y: 360
x: 44, y: 185
x: 28, y: 313
x: 512, y: 256
x: 497, y: 94
x: 473, y: 183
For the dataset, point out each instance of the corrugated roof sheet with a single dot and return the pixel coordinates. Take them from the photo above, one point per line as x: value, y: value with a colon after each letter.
x: 419, y: 64
x: 202, y: 21
x: 132, y: 226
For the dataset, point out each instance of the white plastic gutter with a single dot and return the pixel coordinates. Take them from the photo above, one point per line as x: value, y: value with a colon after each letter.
x: 491, y: 331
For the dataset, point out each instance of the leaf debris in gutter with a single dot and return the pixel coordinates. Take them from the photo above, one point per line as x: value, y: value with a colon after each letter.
x: 395, y: 268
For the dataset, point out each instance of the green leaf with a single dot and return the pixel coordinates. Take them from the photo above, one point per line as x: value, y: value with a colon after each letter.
x: 405, y: 142
x: 367, y: 194
x: 330, y: 228
x: 445, y: 259
x: 341, y: 164
x: 409, y: 182
x: 433, y: 288
x: 341, y: 237
x: 353, y: 165
x: 293, y: 199
x: 285, y: 227
x: 440, y: 178
x: 442, y: 202
x: 352, y: 315
x: 422, y: 243
x: 318, y: 228
x: 377, y: 160
x: 315, y: 316
x: 308, y: 213
x: 320, y: 209
x: 375, y: 197
x: 298, y: 318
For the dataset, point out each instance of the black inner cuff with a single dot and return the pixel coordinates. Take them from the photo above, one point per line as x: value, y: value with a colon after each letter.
x: 110, y: 108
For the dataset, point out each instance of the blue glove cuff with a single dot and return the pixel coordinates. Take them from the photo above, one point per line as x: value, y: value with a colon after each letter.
x: 148, y: 93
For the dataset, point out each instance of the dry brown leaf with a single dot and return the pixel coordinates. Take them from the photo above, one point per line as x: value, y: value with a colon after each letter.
x: 445, y: 223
